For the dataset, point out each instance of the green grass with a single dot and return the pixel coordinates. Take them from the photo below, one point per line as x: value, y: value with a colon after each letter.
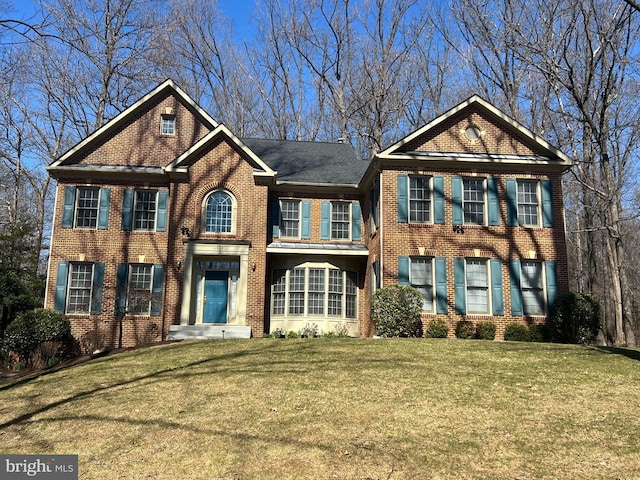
x: 336, y: 409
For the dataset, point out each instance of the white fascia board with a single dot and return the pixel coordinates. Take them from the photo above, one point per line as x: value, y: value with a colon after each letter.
x: 221, y: 129
x: 127, y: 112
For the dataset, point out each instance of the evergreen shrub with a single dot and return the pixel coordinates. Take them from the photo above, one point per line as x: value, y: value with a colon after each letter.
x: 437, y: 328
x: 516, y: 332
x: 395, y: 311
x: 464, y: 329
x: 486, y: 331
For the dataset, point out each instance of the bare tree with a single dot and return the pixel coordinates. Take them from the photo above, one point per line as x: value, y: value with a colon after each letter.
x: 581, y: 53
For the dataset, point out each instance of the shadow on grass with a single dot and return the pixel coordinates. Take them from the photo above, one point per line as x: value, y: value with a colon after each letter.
x: 631, y: 353
x: 84, y: 394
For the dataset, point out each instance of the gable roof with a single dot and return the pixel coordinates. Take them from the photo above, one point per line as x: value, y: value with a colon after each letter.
x: 310, y: 163
x: 545, y: 152
x: 124, y: 117
x: 221, y: 131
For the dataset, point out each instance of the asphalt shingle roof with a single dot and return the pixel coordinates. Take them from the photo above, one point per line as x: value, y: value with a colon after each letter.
x: 310, y: 162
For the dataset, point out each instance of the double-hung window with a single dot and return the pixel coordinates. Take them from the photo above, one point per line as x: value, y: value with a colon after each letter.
x: 421, y: 278
x: 145, y: 210
x: 478, y: 286
x: 80, y: 288
x: 87, y: 207
x: 296, y: 291
x: 290, y: 218
x: 340, y: 220
x: 473, y: 201
x: 529, y: 203
x: 532, y: 286
x: 140, y: 293
x: 419, y: 200
x: 477, y: 277
x: 139, y: 289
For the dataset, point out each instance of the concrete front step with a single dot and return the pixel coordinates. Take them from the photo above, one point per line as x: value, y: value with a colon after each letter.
x: 207, y: 332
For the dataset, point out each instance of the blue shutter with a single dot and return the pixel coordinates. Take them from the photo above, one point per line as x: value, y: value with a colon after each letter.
x: 547, y: 203
x: 460, y: 286
x: 103, y: 214
x: 552, y: 284
x: 438, y: 200
x: 161, y: 223
x: 325, y: 221
x: 127, y: 209
x: 69, y: 207
x: 356, y: 221
x: 98, y: 282
x: 62, y: 275
x: 403, y: 200
x: 496, y: 287
x: 516, y: 293
x: 456, y: 200
x: 306, y: 219
x: 442, y: 301
x: 122, y: 278
x: 494, y: 203
x: 512, y: 202
x: 156, y: 290
x: 376, y: 267
x: 274, y: 216
x: 373, y: 208
x: 403, y: 270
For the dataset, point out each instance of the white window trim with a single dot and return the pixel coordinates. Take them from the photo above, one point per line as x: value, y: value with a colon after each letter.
x: 485, y: 202
x: 487, y: 264
x: 543, y: 277
x: 299, y: 202
x: 349, y: 221
x: 129, y: 289
x: 76, y: 208
x: 166, y: 117
x: 431, y: 200
x: 68, y: 296
x: 325, y: 315
x: 433, y: 281
x: 538, y: 203
x: 135, y: 205
x: 234, y: 213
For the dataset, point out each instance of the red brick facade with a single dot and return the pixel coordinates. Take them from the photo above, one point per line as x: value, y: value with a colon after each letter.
x: 256, y: 266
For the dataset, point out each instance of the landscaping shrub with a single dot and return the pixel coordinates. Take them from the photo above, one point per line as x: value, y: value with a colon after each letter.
x: 516, y: 332
x: 33, y: 328
x: 575, y: 318
x: 486, y: 331
x: 464, y: 329
x: 437, y: 328
x: 539, y: 332
x: 395, y: 311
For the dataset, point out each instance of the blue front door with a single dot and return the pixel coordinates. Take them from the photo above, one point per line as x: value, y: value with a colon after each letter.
x: 215, y: 297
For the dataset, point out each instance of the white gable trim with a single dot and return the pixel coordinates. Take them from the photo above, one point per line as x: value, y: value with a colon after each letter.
x: 391, y: 152
x: 124, y: 115
x: 220, y: 130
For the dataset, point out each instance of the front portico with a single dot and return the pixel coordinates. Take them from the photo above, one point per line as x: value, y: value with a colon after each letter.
x: 215, y: 282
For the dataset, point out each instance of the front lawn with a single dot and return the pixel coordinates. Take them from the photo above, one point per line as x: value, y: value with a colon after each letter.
x: 336, y: 409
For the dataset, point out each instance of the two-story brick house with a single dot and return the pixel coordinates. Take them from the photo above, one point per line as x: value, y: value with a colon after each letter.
x: 165, y: 221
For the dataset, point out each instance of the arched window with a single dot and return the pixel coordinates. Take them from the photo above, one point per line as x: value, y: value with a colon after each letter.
x: 219, y: 213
